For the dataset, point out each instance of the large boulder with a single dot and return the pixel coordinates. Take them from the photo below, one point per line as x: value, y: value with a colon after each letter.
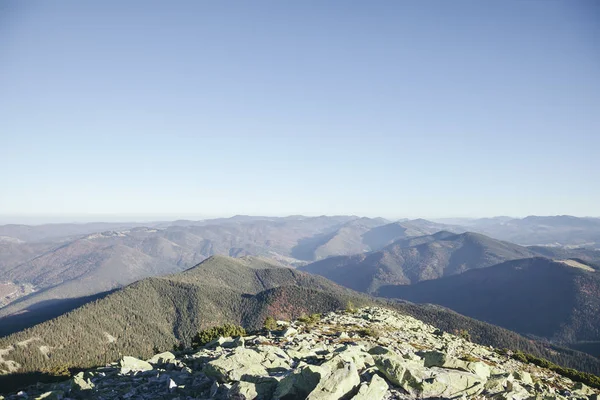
x: 253, y: 390
x: 374, y: 390
x: 356, y: 355
x: 443, y: 360
x: 407, y: 374
x: 274, y: 359
x: 451, y: 384
x: 241, y: 364
x: 79, y: 382
x: 162, y: 358
x: 300, y: 382
x: 341, y: 380
x: 129, y: 364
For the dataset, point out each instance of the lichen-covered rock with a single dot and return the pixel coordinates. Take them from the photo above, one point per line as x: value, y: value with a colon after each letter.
x: 341, y: 379
x: 407, y: 374
x: 79, y: 382
x: 162, y: 358
x: 129, y: 364
x: 300, y: 382
x: 241, y: 363
x: 451, y: 384
x: 373, y: 390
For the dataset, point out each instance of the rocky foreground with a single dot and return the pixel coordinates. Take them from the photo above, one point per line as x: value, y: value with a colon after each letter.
x: 371, y: 354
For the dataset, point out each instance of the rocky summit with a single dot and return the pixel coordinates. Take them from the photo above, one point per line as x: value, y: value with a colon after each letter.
x: 366, y: 354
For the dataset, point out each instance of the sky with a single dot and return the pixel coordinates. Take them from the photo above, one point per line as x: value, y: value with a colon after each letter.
x: 145, y: 109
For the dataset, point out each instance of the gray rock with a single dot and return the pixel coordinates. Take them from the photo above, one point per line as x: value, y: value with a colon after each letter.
x: 52, y: 395
x: 340, y: 381
x: 374, y: 390
x: 452, y: 384
x: 238, y: 365
x: 80, y: 383
x: 524, y: 377
x: 580, y: 389
x: 439, y: 359
x: 129, y: 364
x: 300, y: 382
x: 162, y: 358
x: 289, y: 332
x: 407, y: 374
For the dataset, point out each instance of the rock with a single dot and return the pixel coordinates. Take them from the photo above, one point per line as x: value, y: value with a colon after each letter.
x: 301, y: 353
x: 317, y: 364
x: 129, y: 364
x: 162, y: 358
x: 274, y: 358
x: 80, y: 383
x: 243, y: 390
x: 498, y: 384
x: 253, y: 390
x: 452, y: 384
x: 239, y: 365
x: 580, y: 389
x: 524, y: 377
x: 514, y: 391
x: 289, y: 332
x: 300, y: 382
x: 226, y: 342
x: 339, y: 382
x: 374, y: 390
x: 439, y: 359
x: 356, y: 355
x: 407, y: 374
x: 379, y: 350
x: 53, y: 395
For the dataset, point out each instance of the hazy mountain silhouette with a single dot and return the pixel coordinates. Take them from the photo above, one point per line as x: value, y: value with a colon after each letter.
x: 413, y: 260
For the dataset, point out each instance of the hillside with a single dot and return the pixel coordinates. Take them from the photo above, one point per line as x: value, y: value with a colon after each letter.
x: 536, y: 296
x: 413, y: 260
x: 367, y: 354
x: 160, y: 312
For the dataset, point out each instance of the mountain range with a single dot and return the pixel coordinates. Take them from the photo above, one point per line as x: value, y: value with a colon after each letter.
x: 157, y: 313
x: 62, y: 268
x: 47, y: 271
x: 413, y: 260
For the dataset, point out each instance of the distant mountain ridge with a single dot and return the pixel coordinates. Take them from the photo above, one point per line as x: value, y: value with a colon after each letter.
x: 413, y: 260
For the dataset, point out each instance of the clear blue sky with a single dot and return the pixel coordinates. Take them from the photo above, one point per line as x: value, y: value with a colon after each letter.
x: 389, y: 108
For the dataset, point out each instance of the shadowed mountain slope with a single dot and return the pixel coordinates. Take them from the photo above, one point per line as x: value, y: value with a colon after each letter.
x: 535, y: 296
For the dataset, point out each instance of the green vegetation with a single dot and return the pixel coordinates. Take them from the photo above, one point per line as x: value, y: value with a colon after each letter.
x: 573, y: 374
x: 208, y: 335
x: 270, y: 324
x: 469, y: 358
x: 463, y: 333
x: 310, y: 319
x: 350, y: 309
x: 156, y: 313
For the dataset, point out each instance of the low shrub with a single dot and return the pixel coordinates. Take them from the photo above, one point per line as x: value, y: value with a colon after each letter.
x: 207, y: 335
